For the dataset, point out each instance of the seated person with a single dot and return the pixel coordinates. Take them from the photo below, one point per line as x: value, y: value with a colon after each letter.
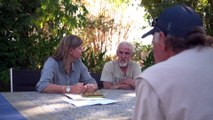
x: 64, y: 72
x: 121, y: 73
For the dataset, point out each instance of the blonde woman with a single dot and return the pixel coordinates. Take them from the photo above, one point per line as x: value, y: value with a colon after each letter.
x: 64, y: 72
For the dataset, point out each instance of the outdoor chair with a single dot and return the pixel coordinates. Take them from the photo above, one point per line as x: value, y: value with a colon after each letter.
x: 23, y: 80
x: 97, y: 77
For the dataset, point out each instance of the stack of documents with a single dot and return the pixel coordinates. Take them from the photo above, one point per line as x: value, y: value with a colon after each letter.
x: 78, y: 100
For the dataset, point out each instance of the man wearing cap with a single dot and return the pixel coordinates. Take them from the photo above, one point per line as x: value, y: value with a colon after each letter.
x: 179, y: 86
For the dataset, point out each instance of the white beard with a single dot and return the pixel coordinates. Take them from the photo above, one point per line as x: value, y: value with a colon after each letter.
x: 123, y: 64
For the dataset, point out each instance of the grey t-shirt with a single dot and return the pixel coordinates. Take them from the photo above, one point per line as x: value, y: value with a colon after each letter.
x: 54, y: 73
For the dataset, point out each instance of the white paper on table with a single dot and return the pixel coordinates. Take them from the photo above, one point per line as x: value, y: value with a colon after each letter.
x: 78, y: 100
x: 80, y: 97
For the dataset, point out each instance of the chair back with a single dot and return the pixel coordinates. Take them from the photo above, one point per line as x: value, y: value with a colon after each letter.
x: 23, y: 80
x: 97, y: 77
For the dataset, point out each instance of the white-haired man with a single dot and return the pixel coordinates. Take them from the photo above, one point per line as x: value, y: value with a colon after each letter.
x: 121, y: 73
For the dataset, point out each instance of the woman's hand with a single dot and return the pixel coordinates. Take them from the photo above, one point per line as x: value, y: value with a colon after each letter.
x: 78, y: 88
x: 90, y: 87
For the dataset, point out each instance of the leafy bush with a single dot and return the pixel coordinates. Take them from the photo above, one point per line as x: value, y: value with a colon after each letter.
x: 148, y: 61
x: 5, y: 80
x: 143, y: 55
x: 30, y: 31
x: 94, y: 61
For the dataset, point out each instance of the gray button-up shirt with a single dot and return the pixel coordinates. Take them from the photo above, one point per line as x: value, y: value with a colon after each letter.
x: 54, y: 73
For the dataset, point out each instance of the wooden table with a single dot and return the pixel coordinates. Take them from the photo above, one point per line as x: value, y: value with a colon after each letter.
x: 42, y: 106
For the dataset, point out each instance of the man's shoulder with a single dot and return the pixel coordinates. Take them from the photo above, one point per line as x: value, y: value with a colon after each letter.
x: 155, y: 71
x: 134, y: 65
x: 133, y: 62
x: 111, y: 63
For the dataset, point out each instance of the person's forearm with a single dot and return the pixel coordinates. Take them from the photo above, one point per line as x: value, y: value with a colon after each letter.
x: 52, y: 88
x: 107, y: 85
x: 130, y: 82
x: 124, y: 86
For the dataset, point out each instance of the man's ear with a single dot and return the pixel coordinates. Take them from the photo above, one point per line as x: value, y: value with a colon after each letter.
x: 70, y: 51
x: 162, y: 41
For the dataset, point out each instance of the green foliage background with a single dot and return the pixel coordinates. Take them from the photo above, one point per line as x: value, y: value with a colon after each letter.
x: 203, y: 7
x: 143, y: 55
x: 31, y: 29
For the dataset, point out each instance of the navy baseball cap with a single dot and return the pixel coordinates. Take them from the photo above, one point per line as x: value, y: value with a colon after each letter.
x: 177, y: 21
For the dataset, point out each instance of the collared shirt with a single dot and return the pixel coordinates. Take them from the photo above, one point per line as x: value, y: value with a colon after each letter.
x: 179, y: 88
x: 53, y: 72
x: 112, y: 72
